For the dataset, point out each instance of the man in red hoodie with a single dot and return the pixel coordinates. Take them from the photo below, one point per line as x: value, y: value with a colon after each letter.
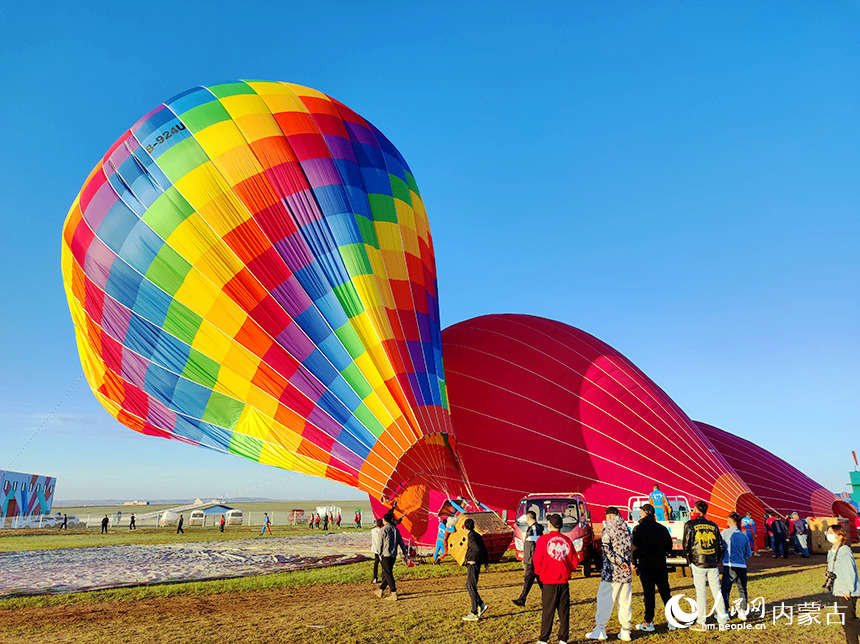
x: 554, y: 560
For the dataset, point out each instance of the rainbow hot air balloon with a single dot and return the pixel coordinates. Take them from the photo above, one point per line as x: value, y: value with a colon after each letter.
x: 540, y: 406
x: 250, y: 269
x: 781, y: 486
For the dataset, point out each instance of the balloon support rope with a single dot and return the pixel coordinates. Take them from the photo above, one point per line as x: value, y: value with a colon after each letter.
x: 44, y: 422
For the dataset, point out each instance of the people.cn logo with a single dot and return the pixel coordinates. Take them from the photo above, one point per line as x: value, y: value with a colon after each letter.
x: 676, y: 616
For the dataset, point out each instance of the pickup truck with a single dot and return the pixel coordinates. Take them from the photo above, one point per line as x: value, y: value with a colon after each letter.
x: 577, y: 526
x: 679, y: 514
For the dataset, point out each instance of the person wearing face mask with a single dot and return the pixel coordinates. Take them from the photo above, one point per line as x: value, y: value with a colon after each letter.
x: 842, y: 580
x: 533, y: 533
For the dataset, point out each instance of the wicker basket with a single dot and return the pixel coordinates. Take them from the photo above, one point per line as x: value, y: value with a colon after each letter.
x: 497, y: 536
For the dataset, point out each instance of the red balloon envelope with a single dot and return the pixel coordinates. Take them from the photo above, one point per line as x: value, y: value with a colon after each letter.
x: 540, y: 406
x: 779, y: 485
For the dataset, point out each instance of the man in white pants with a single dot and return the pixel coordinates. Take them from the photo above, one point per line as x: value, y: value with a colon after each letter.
x: 616, y: 578
x: 703, y: 546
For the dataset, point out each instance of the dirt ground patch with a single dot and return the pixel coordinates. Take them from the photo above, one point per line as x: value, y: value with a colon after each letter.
x: 429, y: 610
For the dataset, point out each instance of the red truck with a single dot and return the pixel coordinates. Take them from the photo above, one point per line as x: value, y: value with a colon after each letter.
x: 577, y: 526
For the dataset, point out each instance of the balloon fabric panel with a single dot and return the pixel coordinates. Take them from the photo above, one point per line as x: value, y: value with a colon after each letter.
x: 250, y: 269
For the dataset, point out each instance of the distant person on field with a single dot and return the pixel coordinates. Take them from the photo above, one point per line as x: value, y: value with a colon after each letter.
x: 105, y: 522
x: 325, y: 521
x: 736, y: 552
x: 616, y: 578
x: 376, y: 548
x: 317, y: 522
x: 358, y: 519
x: 442, y: 538
x: 267, y: 524
x: 651, y: 544
x: 179, y: 525
x: 65, y: 524
x: 476, y: 555
x: 221, y: 524
x: 748, y: 528
x: 338, y: 521
x: 703, y: 547
x: 391, y: 540
x: 131, y: 523
x: 554, y: 561
x: 768, y: 529
x: 779, y: 530
x: 801, y: 534
x: 843, y: 582
x: 662, y: 511
x: 534, y: 531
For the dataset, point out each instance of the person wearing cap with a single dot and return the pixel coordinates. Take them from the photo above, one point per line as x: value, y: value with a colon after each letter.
x: 651, y: 544
x: 442, y: 538
x: 533, y: 533
x: 616, y: 578
x: 801, y: 534
x: 703, y: 547
x: 476, y: 554
x: 554, y: 561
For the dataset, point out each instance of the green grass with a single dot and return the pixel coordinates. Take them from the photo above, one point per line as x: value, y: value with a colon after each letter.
x: 50, y: 538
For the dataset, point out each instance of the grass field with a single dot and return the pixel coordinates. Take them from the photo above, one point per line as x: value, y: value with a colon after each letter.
x: 49, y: 539
x: 336, y: 605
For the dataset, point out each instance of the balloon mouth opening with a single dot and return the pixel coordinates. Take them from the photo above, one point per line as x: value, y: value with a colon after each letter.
x: 843, y: 509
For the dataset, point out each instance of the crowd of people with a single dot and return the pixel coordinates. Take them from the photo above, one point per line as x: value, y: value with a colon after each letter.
x: 717, y: 560
x: 323, y: 521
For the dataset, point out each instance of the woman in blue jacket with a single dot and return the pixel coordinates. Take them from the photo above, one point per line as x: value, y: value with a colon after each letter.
x: 843, y: 581
x: 736, y: 551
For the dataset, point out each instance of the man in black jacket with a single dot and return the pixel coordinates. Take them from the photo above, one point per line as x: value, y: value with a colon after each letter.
x: 703, y: 546
x: 533, y: 533
x: 651, y: 543
x: 476, y: 554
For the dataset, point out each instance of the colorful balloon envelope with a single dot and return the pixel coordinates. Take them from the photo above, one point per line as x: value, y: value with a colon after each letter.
x: 540, y: 407
x: 780, y: 486
x: 250, y: 269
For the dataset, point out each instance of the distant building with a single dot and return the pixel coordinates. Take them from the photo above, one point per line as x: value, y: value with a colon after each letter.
x: 136, y: 503
x: 25, y: 495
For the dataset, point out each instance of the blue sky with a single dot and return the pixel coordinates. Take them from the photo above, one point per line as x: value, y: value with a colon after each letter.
x: 678, y: 179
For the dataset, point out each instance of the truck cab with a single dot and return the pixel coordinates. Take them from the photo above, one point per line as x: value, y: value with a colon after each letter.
x: 679, y: 514
x: 576, y: 526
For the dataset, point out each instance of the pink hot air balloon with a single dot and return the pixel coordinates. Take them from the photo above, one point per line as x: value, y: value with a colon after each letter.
x: 780, y: 486
x: 540, y: 406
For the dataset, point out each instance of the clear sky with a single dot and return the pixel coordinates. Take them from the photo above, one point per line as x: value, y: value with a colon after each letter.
x: 679, y: 179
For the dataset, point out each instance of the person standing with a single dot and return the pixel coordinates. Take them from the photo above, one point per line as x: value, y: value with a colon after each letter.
x: 131, y: 523
x: 391, y: 539
x: 358, y: 519
x: 179, y: 525
x: 768, y: 528
x: 616, y: 578
x: 801, y: 534
x: 317, y: 522
x: 221, y: 523
x: 65, y: 524
x: 325, y: 521
x: 376, y: 548
x: 105, y: 522
x: 703, y: 547
x: 651, y: 544
x: 554, y: 561
x: 779, y: 529
x: 476, y: 555
x: 442, y: 538
x: 658, y: 500
x: 338, y: 520
x: 843, y: 582
x: 748, y: 528
x: 737, y: 550
x: 267, y: 524
x: 534, y: 531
